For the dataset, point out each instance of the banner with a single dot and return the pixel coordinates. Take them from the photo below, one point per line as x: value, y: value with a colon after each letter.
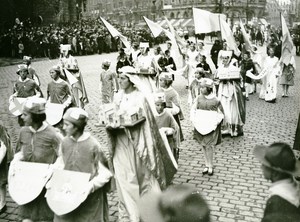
x: 26, y: 180
x: 287, y: 48
x: 66, y: 190
x: 206, y: 22
x: 155, y: 28
x: 115, y: 33
x: 78, y: 88
x: 245, y: 37
x: 228, y: 36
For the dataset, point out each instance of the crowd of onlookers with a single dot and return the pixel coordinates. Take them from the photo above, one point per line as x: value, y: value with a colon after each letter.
x: 86, y: 37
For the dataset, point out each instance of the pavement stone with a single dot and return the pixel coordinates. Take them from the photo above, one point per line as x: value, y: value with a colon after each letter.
x: 237, y: 191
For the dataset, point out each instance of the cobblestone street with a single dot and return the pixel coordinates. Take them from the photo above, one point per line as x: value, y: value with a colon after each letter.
x: 237, y: 191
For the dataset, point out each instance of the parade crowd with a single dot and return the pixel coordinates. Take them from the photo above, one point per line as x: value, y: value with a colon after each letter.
x: 86, y: 37
x: 141, y: 113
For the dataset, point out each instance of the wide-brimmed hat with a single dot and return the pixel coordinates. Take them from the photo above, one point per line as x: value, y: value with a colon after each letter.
x: 34, y: 105
x: 77, y: 116
x: 21, y: 68
x: 179, y: 203
x: 279, y: 157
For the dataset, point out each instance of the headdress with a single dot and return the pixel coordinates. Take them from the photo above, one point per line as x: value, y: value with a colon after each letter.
x: 34, y: 105
x: 21, y: 68
x: 77, y: 116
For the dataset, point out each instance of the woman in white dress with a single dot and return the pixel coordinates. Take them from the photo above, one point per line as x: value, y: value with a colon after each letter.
x: 269, y: 81
x: 140, y: 159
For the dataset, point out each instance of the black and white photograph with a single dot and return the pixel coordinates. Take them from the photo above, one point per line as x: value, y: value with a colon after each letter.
x: 149, y: 111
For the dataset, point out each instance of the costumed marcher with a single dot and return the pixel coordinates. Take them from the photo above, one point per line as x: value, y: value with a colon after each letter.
x: 81, y: 152
x: 206, y: 115
x: 122, y: 60
x: 58, y: 90
x: 146, y: 64
x: 66, y: 60
x: 108, y: 83
x: 139, y: 158
x: 195, y: 85
x: 287, y: 76
x: 167, y: 125
x: 280, y: 166
x: 214, y: 52
x: 172, y: 99
x: 268, y: 89
x: 6, y: 155
x: 247, y: 64
x: 170, y: 61
x: 204, y: 65
x: 134, y: 53
x: 231, y: 96
x: 38, y: 142
x: 24, y: 88
x: 191, y: 62
x: 69, y: 64
x: 59, y: 98
x: 31, y: 71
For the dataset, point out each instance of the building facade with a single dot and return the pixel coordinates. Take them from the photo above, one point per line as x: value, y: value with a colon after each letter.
x: 131, y: 11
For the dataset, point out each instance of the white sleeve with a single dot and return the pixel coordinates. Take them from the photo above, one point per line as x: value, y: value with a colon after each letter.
x: 102, y: 178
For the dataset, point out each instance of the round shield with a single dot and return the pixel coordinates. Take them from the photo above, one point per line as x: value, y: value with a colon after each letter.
x: 66, y: 191
x: 26, y: 181
x: 54, y: 113
x: 16, y: 106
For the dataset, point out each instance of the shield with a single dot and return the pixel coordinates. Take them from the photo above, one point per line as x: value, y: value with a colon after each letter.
x: 16, y: 106
x: 54, y: 113
x: 26, y: 181
x: 66, y: 191
x: 206, y: 121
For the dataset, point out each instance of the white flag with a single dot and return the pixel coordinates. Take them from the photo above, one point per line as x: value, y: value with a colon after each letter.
x: 206, y: 22
x: 155, y: 28
x: 228, y: 36
x: 287, y: 48
x: 115, y: 33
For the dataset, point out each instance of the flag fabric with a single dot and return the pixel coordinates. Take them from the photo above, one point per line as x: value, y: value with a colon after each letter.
x: 179, y: 41
x: 245, y: 37
x: 78, y: 88
x: 115, y: 33
x: 287, y: 48
x: 71, y: 79
x: 155, y: 28
x: 206, y: 22
x: 228, y: 36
